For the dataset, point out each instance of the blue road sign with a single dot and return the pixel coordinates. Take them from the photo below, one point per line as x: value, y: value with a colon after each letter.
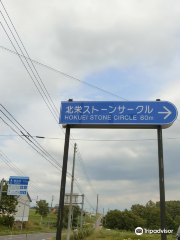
x: 18, y: 186
x: 118, y: 114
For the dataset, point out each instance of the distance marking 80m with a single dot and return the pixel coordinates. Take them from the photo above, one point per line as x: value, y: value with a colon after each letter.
x: 146, y: 117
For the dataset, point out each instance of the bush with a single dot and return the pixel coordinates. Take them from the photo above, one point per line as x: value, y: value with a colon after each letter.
x: 7, y: 220
x: 82, y: 233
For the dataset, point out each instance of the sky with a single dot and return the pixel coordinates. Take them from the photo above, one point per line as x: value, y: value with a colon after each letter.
x: 129, y: 48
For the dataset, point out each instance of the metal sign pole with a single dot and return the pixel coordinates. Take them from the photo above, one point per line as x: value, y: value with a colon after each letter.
x: 23, y: 215
x: 63, y: 184
x: 161, y: 182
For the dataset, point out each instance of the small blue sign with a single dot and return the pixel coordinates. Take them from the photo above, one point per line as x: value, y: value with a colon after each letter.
x: 22, y: 192
x: 19, y: 180
x: 17, y: 185
x: 118, y: 114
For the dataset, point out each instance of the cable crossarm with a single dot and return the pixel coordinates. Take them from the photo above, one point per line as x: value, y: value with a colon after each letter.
x: 29, y: 143
x: 97, y: 140
x: 39, y: 147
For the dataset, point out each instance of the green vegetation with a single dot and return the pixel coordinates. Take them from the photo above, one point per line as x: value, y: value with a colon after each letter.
x: 35, y: 225
x: 32, y: 226
x: 28, y: 227
x: 7, y: 208
x: 35, y: 217
x: 81, y: 234
x: 143, y: 216
x: 76, y: 212
x: 42, y: 208
x: 124, y: 235
x: 119, y: 235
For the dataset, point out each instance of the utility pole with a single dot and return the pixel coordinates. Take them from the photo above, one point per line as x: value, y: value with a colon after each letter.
x: 50, y: 211
x: 85, y: 217
x: 78, y: 221
x: 2, y: 182
x: 82, y: 210
x: 70, y: 205
x: 72, y: 218
x: 96, y: 212
x: 103, y: 217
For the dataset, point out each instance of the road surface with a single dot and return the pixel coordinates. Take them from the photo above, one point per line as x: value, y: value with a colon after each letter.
x: 37, y: 236
x: 98, y: 223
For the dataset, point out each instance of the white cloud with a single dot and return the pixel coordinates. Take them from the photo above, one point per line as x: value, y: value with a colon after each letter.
x: 80, y: 38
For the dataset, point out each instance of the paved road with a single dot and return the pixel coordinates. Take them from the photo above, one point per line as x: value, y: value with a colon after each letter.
x: 37, y: 236
x: 99, y: 222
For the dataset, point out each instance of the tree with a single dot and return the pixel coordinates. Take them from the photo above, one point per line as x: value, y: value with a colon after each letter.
x: 155, y: 220
x: 172, y: 207
x: 42, y: 208
x: 76, y: 212
x: 114, y: 219
x: 139, y: 210
x: 177, y: 220
x: 7, y: 207
x: 123, y: 220
x: 150, y: 203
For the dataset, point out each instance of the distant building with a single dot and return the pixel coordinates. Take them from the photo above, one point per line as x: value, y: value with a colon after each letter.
x: 23, y: 205
x: 67, y: 201
x: 92, y: 215
x: 74, y: 199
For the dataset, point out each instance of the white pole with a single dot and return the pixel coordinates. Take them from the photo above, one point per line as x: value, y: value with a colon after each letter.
x: 70, y: 205
x: 23, y: 215
x: 50, y: 212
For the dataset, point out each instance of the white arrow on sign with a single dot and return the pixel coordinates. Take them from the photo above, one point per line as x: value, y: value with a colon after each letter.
x: 168, y: 112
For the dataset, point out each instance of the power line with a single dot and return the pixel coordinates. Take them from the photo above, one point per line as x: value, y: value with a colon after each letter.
x: 26, y: 66
x: 39, y: 146
x: 59, y: 167
x: 28, y: 143
x: 66, y: 75
x: 41, y: 89
x: 97, y: 140
x: 19, y: 173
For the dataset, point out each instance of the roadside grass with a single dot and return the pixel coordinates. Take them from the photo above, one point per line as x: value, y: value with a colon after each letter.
x: 123, y: 235
x: 28, y: 227
x: 37, y: 218
x: 89, y: 220
x: 32, y: 226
